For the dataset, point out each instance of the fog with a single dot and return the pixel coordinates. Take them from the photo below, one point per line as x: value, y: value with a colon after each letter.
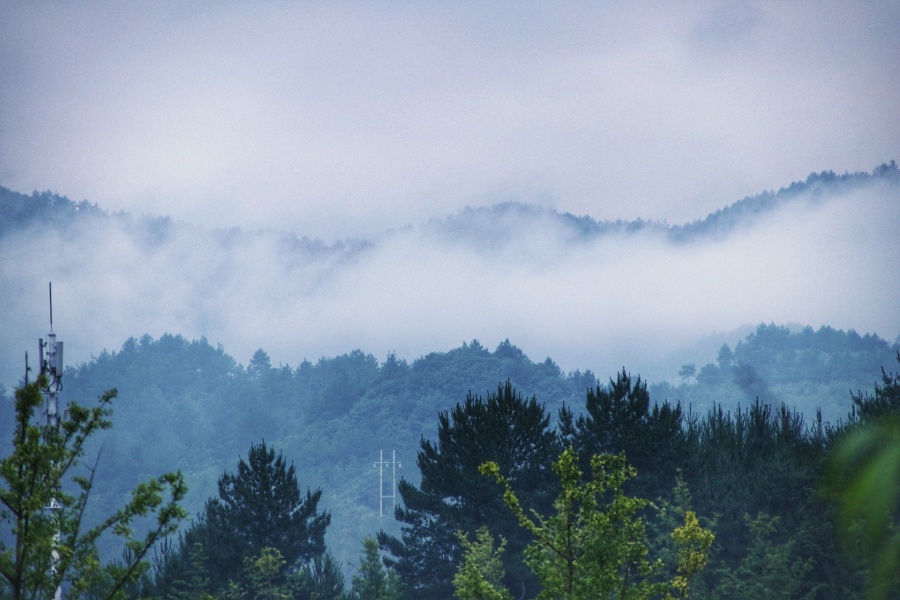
x: 599, y: 302
x: 372, y: 122
x: 337, y: 119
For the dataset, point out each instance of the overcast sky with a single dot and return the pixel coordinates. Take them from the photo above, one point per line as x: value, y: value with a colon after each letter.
x: 337, y: 119
x: 343, y: 119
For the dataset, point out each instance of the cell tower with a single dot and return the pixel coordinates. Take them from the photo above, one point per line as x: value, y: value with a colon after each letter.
x: 381, y: 464
x: 51, y: 366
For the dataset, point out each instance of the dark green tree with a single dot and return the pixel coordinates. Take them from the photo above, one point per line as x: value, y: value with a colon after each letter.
x: 770, y: 570
x: 885, y: 401
x: 452, y: 496
x: 196, y: 579
x: 319, y: 579
x: 619, y: 418
x: 373, y: 581
x: 687, y: 372
x: 261, y: 506
x: 260, y: 364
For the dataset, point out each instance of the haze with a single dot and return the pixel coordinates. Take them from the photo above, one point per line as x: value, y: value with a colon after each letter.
x: 598, y: 302
x: 338, y: 119
x: 355, y: 120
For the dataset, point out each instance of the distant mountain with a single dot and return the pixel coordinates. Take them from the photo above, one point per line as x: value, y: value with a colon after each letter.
x: 485, y: 225
x: 574, y: 285
x: 186, y: 403
x: 491, y: 225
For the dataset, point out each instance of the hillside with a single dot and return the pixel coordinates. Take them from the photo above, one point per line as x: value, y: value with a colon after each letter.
x: 187, y: 405
x: 595, y: 295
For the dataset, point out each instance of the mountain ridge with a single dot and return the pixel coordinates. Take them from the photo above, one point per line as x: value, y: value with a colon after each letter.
x: 590, y: 294
x: 18, y: 210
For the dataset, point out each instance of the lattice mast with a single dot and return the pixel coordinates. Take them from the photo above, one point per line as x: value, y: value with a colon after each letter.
x: 51, y: 366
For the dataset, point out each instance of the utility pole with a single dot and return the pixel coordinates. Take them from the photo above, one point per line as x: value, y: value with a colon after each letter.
x: 381, y: 495
x: 51, y: 366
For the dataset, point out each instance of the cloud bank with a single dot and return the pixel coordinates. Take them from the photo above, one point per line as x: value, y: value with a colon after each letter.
x: 342, y: 119
x: 523, y: 273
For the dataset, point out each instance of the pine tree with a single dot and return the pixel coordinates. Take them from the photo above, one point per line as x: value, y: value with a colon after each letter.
x: 372, y: 581
x: 620, y: 419
x: 452, y: 496
x: 260, y: 507
x: 320, y: 579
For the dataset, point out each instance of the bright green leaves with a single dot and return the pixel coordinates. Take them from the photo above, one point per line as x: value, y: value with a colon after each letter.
x: 33, y: 478
x: 693, y: 543
x: 865, y: 472
x: 266, y: 575
x: 480, y: 573
x: 595, y: 545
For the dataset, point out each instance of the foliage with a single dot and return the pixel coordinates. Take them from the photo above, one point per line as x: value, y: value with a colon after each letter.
x: 480, y: 574
x: 266, y: 575
x: 452, y: 497
x: 865, y: 474
x: 770, y: 570
x: 261, y: 506
x: 671, y: 541
x: 809, y: 369
x: 319, y: 579
x: 34, y: 479
x: 373, y: 581
x: 737, y: 457
x: 620, y: 419
x: 196, y: 577
x: 693, y: 543
x: 595, y: 543
x: 264, y: 578
x: 885, y: 401
x: 260, y: 511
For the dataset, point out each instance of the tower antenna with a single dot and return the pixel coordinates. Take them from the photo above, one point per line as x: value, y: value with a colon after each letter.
x: 51, y: 367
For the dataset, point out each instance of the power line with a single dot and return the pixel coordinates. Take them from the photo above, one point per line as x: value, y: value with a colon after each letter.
x: 381, y: 495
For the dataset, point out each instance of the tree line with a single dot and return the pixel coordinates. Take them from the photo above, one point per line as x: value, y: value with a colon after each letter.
x: 617, y: 498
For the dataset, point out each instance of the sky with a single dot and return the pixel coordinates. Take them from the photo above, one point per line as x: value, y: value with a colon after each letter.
x: 338, y: 119
x: 345, y: 120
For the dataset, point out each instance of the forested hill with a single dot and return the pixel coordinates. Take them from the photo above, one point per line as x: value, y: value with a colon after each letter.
x: 493, y: 271
x: 492, y: 225
x: 188, y: 405
x: 489, y: 224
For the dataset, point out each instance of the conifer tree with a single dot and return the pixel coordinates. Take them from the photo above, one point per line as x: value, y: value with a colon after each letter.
x: 372, y: 581
x: 452, y: 496
x: 259, y: 507
x: 619, y: 418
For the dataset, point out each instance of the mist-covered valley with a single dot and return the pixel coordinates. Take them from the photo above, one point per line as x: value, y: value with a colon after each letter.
x: 352, y: 347
x: 588, y: 294
x: 655, y: 243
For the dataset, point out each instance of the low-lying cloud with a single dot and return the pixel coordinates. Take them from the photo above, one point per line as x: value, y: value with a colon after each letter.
x: 341, y: 119
x: 586, y: 301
